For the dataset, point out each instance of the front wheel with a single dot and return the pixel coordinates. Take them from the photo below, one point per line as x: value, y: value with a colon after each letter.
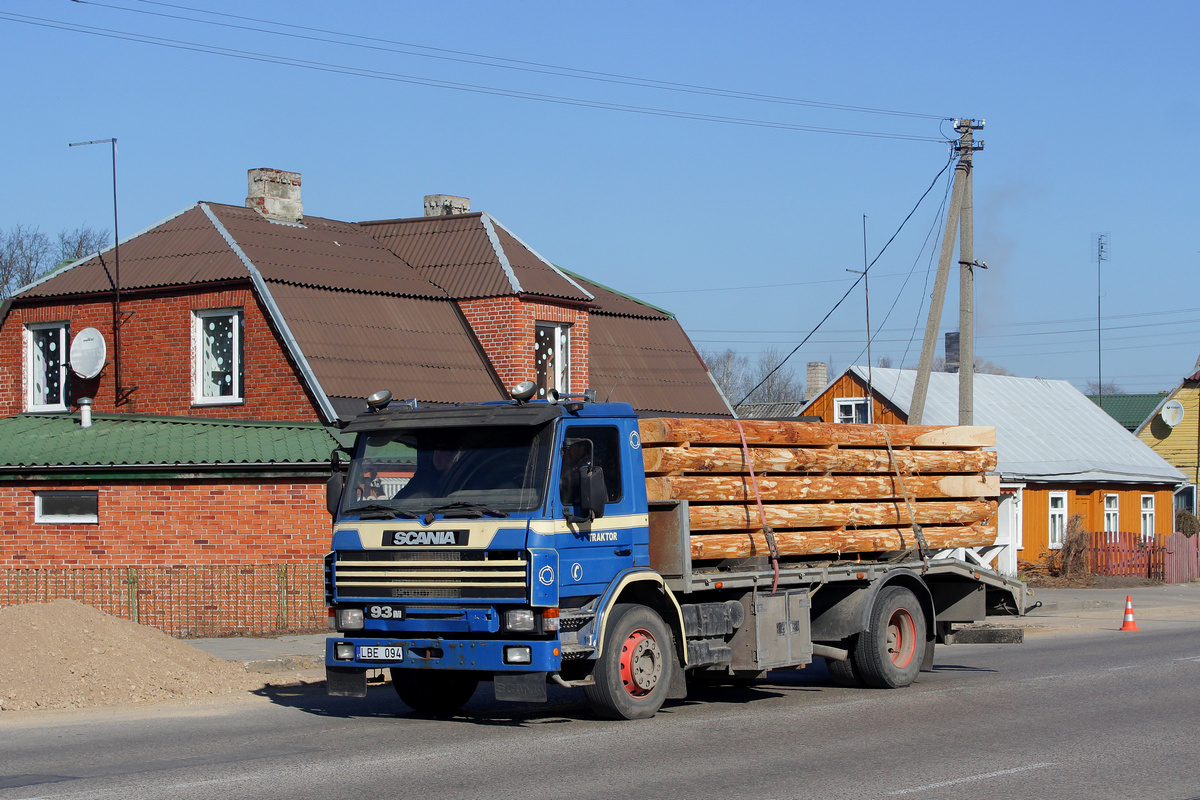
x: 429, y: 692
x: 634, y: 671
x: 888, y: 655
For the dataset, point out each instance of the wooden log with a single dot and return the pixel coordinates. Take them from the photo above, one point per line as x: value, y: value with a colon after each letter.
x: 738, y: 488
x: 827, y: 515
x: 821, y: 542
x: 662, y: 460
x: 671, y: 430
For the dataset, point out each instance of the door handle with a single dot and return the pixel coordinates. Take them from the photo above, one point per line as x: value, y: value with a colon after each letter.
x: 624, y: 551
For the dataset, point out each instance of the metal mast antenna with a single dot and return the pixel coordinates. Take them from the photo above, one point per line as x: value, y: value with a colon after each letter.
x: 1101, y: 256
x: 120, y: 392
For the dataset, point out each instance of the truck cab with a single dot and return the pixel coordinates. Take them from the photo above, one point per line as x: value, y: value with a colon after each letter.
x: 459, y: 534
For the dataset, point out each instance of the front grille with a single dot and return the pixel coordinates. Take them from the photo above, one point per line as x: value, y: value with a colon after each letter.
x: 471, y: 574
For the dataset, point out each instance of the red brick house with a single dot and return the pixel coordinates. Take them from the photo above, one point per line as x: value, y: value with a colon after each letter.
x: 258, y: 313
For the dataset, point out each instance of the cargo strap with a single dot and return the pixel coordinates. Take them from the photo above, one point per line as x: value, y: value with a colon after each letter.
x: 922, y: 546
x: 768, y: 533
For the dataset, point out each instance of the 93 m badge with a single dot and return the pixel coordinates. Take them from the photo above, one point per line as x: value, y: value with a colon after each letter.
x: 420, y: 538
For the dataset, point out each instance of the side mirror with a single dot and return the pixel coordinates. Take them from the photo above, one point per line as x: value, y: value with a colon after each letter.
x: 592, y: 492
x: 336, y: 484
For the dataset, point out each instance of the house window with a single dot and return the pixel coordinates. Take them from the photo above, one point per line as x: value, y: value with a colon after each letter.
x: 58, y: 508
x: 852, y: 409
x: 1112, y: 515
x: 551, y: 355
x: 217, y: 344
x: 1147, y: 516
x: 46, y: 367
x: 1058, y: 519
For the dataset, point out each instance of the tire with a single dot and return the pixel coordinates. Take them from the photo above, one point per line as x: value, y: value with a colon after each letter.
x: 844, y: 673
x: 633, y: 674
x: 435, y: 693
x: 888, y: 655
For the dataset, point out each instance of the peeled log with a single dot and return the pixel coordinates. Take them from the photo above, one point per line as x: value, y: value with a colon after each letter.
x: 670, y: 430
x: 829, y: 542
x: 660, y: 460
x: 828, y: 515
x: 739, y: 489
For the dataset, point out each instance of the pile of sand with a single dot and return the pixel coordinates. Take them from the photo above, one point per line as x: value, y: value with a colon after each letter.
x: 65, y: 654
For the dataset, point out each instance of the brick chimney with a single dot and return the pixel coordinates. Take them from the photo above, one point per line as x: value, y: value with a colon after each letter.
x: 443, y: 205
x: 952, y: 351
x: 817, y: 379
x: 275, y: 194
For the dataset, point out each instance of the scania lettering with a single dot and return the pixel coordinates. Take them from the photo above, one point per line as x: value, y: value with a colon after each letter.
x: 570, y: 542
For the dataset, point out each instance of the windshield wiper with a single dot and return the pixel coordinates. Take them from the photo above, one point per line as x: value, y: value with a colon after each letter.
x: 468, y: 510
x: 380, y: 511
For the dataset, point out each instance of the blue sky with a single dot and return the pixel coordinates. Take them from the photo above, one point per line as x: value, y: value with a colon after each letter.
x: 746, y: 232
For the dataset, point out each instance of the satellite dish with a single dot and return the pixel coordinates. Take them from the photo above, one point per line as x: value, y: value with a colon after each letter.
x: 1172, y: 413
x: 88, y: 353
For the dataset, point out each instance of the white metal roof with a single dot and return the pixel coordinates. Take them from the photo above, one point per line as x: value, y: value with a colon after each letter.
x: 1045, y: 430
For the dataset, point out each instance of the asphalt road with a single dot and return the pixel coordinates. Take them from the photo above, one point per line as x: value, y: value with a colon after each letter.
x: 1090, y: 715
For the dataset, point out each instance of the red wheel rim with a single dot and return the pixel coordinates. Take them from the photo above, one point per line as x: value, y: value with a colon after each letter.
x: 901, y: 638
x: 641, y: 663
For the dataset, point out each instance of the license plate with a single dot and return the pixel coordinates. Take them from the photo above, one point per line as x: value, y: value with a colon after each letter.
x: 381, y: 653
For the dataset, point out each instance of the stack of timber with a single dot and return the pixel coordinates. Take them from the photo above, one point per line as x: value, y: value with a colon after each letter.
x: 826, y: 489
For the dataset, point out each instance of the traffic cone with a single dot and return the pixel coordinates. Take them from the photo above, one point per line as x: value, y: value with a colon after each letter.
x: 1129, y: 624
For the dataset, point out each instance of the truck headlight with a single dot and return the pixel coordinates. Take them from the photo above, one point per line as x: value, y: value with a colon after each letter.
x: 518, y: 654
x: 349, y: 619
x: 520, y: 620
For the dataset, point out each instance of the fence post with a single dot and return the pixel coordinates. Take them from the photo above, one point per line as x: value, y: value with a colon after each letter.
x: 132, y: 581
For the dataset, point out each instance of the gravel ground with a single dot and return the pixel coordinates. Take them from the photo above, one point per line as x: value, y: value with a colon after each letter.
x: 65, y: 654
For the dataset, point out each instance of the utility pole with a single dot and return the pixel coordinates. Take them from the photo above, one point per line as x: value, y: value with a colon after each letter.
x: 1101, y: 257
x: 960, y: 202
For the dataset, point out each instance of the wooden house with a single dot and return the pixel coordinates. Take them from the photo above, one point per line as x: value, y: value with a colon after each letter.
x: 1172, y: 430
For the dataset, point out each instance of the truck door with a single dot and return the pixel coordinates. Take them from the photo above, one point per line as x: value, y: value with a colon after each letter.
x: 592, y: 552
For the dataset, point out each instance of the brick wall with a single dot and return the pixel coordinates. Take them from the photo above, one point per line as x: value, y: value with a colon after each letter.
x: 505, y: 329
x: 204, y: 557
x: 170, y: 523
x: 156, y: 345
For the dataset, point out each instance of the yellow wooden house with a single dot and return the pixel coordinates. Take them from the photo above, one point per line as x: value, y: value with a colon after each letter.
x: 1173, y: 431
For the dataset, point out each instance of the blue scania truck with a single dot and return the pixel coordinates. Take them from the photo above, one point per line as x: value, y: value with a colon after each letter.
x: 513, y: 543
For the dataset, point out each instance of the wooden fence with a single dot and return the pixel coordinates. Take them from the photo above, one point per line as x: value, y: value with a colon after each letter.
x: 244, y: 599
x: 1182, y: 562
x: 1126, y: 554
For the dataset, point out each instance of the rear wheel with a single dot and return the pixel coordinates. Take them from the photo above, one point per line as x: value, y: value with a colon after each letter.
x: 634, y: 671
x: 844, y: 673
x: 429, y: 692
x: 888, y: 655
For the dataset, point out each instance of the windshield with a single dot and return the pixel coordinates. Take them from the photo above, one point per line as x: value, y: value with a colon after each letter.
x: 476, y: 471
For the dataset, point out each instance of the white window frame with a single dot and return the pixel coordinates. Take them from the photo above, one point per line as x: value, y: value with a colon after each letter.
x: 1112, y: 515
x: 852, y: 403
x: 198, y: 396
x: 560, y: 379
x: 1057, y: 521
x: 1147, y: 516
x: 31, y: 366
x: 41, y: 516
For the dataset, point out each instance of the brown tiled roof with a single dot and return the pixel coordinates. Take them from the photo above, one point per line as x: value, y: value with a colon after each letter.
x: 533, y: 273
x: 323, y: 252
x: 650, y: 364
x: 357, y: 344
x: 608, y: 301
x: 185, y: 249
x: 456, y: 253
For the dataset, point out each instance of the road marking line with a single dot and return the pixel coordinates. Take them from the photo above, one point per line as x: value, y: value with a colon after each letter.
x: 969, y: 779
x: 1131, y: 666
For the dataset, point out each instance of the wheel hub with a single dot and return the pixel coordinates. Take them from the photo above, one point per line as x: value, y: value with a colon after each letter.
x: 901, y: 635
x: 641, y: 663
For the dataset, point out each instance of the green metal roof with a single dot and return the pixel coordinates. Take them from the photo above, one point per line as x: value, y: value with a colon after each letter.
x: 1131, y: 410
x: 32, y: 441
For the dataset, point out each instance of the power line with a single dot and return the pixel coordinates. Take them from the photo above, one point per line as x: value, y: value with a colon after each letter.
x: 856, y: 282
x: 462, y: 56
x: 362, y: 72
